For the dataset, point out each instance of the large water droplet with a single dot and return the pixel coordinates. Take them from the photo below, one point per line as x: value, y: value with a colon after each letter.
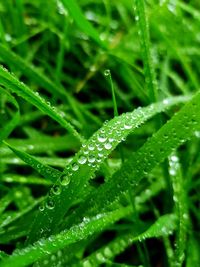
x: 101, y: 138
x: 64, y: 180
x: 50, y: 204
x: 82, y: 160
x: 108, y: 146
x: 107, y: 72
x: 91, y: 158
x: 75, y: 166
x: 56, y: 190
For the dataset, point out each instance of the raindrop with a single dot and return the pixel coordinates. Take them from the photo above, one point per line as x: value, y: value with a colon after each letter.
x: 91, y: 158
x: 50, y: 204
x: 82, y: 160
x: 101, y: 138
x: 56, y: 190
x: 107, y: 72
x: 127, y: 126
x: 64, y: 180
x: 108, y: 146
x: 75, y: 166
x: 91, y: 147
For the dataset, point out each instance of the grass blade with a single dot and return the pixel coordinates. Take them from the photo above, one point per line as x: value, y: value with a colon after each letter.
x: 77, y: 174
x: 9, y: 81
x: 149, y: 71
x: 43, y: 247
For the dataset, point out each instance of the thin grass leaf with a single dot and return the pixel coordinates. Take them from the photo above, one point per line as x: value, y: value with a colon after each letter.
x: 169, y: 137
x: 82, y: 168
x: 11, y: 82
x: 8, y: 127
x: 82, y: 22
x: 164, y: 226
x: 43, y: 247
x: 180, y: 200
x: 48, y: 172
x: 20, y: 179
x: 149, y: 71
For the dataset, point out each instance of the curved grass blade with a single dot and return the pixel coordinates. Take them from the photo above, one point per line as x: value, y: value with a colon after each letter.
x: 43, y: 247
x: 149, y: 71
x: 9, y: 126
x: 82, y: 22
x: 164, y: 226
x: 48, y: 172
x: 77, y: 174
x: 169, y: 137
x: 180, y: 200
x: 12, y: 83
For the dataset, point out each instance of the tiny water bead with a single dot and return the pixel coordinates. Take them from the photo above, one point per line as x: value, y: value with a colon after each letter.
x: 107, y: 72
x: 50, y: 204
x: 75, y: 166
x: 82, y: 160
x: 65, y: 180
x: 56, y: 190
x: 91, y: 158
x: 108, y: 146
x: 101, y: 138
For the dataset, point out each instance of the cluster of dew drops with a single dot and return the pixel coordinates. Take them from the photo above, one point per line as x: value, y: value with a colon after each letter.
x: 94, y: 151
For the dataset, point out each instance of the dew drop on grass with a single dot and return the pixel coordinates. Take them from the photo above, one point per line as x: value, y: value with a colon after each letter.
x: 101, y: 138
x: 127, y: 126
x: 41, y: 207
x: 50, y: 204
x: 65, y: 180
x: 108, y: 146
x: 56, y: 190
x: 82, y: 160
x: 75, y: 166
x: 91, y: 158
x: 87, y: 263
x: 90, y: 147
x: 107, y: 73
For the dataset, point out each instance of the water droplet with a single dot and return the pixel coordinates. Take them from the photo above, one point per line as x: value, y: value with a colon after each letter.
x: 75, y: 166
x: 82, y: 160
x: 50, y: 204
x: 64, y: 180
x: 41, y: 207
x: 101, y: 138
x: 56, y: 190
x: 127, y: 126
x: 90, y: 147
x: 107, y: 72
x: 108, y: 146
x: 91, y: 158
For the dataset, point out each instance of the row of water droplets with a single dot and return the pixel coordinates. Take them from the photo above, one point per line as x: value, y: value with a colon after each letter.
x: 99, y: 146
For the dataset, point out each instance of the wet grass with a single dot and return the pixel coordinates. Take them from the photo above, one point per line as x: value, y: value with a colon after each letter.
x: 99, y: 133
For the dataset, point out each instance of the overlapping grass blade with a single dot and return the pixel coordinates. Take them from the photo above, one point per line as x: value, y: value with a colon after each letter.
x: 169, y: 137
x: 149, y: 71
x: 43, y: 247
x: 164, y: 226
x: 8, y: 127
x: 82, y: 22
x: 48, y: 172
x: 82, y: 168
x: 11, y: 82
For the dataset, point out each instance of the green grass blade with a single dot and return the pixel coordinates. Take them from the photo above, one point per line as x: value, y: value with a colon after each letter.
x: 149, y: 71
x: 82, y: 22
x: 164, y: 226
x: 180, y: 200
x: 43, y: 247
x: 48, y: 172
x: 9, y: 81
x: 77, y: 174
x: 8, y: 127
x: 174, y: 133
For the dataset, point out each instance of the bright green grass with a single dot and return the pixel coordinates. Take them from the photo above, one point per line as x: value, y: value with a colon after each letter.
x: 99, y: 133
